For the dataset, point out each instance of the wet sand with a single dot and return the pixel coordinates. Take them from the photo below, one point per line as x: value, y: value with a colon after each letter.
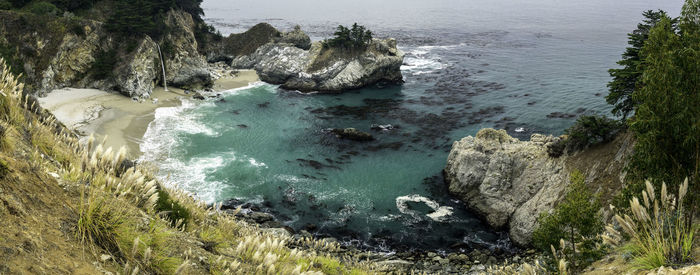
x: 122, y: 120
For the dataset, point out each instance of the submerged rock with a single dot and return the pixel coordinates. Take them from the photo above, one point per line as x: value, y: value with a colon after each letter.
x: 352, y: 134
x: 294, y: 64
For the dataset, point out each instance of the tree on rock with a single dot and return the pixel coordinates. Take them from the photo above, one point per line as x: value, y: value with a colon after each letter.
x: 356, y: 38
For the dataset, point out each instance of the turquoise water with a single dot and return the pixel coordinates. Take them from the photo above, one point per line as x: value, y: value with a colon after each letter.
x: 469, y: 64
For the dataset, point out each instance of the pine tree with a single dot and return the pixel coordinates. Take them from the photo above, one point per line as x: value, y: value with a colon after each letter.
x: 667, y: 119
x: 628, y: 78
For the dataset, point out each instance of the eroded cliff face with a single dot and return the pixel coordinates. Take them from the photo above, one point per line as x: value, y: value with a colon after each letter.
x: 291, y: 60
x: 510, y: 182
x: 61, y: 52
x: 184, y: 66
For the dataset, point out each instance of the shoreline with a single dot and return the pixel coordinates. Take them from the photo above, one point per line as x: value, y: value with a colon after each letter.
x: 119, y: 118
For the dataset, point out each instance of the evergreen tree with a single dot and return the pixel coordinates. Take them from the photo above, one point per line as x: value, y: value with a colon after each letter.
x: 628, y: 78
x: 667, y: 119
x: 356, y: 38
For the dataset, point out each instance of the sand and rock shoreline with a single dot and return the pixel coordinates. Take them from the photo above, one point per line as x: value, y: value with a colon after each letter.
x: 119, y: 118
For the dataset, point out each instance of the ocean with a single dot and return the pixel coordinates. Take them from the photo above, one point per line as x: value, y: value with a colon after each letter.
x: 525, y: 66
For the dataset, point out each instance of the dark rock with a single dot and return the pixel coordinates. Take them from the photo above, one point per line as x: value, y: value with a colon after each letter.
x: 352, y: 134
x: 260, y: 217
x: 296, y: 37
x: 560, y: 115
x: 230, y: 204
x: 309, y: 227
x: 198, y: 96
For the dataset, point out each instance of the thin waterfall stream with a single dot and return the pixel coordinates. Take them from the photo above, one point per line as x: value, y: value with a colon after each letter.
x: 162, y: 66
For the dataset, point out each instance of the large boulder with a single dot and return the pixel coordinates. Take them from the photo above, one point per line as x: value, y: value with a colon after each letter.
x: 287, y: 61
x: 135, y: 76
x: 509, y: 182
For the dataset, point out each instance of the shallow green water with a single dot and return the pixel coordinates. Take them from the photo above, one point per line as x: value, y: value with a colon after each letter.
x: 516, y: 65
x: 270, y: 147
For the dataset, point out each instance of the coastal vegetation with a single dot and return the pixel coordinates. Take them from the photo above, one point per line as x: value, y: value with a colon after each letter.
x: 629, y: 78
x: 574, y: 226
x: 126, y: 18
x: 655, y: 95
x: 659, y: 228
x: 350, y: 39
x: 666, y: 121
x: 124, y: 218
x: 586, y: 131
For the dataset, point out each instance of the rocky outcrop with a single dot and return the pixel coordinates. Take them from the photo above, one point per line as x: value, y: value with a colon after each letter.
x: 295, y: 37
x: 60, y: 52
x: 287, y: 61
x: 74, y: 58
x: 135, y: 76
x: 185, y: 67
x: 510, y: 182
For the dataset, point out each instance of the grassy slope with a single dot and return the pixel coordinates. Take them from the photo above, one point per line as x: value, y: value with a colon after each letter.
x: 68, y: 208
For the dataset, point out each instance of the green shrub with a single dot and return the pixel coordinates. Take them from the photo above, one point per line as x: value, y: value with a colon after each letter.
x: 576, y: 221
x: 172, y: 209
x: 74, y: 5
x: 591, y: 130
x: 43, y: 8
x: 3, y: 169
x: 77, y: 29
x: 99, y: 220
x: 556, y: 149
x: 661, y: 231
x: 19, y: 3
x: 104, y: 64
x: 9, y: 54
x: 4, y: 5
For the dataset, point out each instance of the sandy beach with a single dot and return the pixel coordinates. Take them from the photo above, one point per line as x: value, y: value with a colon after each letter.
x: 122, y: 120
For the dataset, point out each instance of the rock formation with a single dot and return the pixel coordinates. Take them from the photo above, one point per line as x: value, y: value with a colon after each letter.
x: 60, y: 52
x: 510, y: 182
x: 185, y: 67
x: 63, y: 53
x: 294, y: 63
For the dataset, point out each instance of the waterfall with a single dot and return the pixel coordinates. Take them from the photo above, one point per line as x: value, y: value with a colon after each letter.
x: 162, y: 66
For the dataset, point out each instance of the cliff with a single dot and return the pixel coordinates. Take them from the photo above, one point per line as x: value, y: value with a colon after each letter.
x: 56, y: 52
x: 291, y: 60
x: 510, y: 182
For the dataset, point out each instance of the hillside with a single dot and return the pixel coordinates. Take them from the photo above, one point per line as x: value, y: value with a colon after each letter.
x: 84, y: 209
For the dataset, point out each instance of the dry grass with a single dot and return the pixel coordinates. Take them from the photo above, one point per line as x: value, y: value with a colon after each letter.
x: 117, y: 210
x: 512, y: 269
x: 660, y: 232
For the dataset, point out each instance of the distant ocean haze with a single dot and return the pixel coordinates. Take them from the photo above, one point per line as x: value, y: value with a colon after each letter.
x: 527, y: 65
